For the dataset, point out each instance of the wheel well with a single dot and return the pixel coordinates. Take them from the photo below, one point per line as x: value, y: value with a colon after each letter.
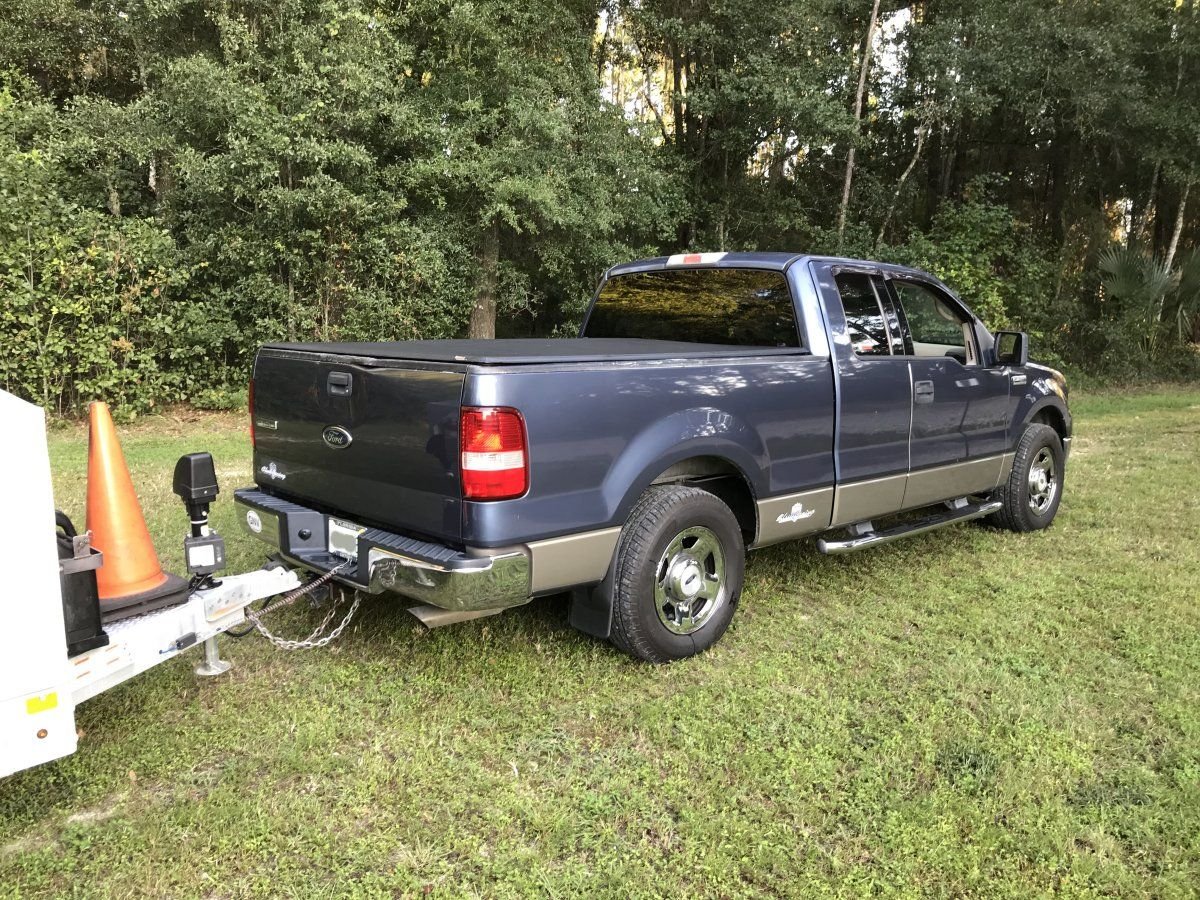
x: 721, y: 478
x: 1048, y: 415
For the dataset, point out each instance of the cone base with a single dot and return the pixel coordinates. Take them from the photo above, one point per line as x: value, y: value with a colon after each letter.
x: 83, y: 646
x: 172, y: 592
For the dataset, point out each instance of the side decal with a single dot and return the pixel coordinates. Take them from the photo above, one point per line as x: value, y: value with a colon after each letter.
x: 793, y: 515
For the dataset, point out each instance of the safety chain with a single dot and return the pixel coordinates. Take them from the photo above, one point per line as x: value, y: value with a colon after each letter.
x: 313, y: 641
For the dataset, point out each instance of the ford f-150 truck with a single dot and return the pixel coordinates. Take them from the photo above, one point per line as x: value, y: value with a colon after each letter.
x: 713, y: 403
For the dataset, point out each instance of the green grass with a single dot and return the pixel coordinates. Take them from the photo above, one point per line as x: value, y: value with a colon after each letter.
x: 971, y: 712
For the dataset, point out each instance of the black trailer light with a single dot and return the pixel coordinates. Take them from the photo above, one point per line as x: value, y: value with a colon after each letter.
x: 195, y: 483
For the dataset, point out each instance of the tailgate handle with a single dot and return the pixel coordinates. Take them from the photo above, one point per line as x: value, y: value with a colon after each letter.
x: 340, y: 384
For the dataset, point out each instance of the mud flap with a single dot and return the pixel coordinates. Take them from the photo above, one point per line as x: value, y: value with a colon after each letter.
x: 591, y: 609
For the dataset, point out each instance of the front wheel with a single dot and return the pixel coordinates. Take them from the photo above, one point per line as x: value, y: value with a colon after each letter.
x: 1034, y: 488
x: 678, y: 576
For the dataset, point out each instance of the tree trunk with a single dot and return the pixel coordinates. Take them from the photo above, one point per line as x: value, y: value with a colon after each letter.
x: 677, y: 96
x: 1179, y: 215
x: 483, y: 313
x: 160, y: 177
x: 1143, y: 220
x: 775, y: 170
x: 945, y: 174
x: 912, y: 163
x: 863, y: 68
x: 114, y: 199
x: 1166, y: 314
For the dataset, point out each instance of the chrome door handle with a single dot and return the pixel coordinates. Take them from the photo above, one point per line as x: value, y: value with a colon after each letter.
x: 923, y: 391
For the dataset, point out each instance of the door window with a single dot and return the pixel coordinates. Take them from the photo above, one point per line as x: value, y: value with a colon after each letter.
x: 937, y: 328
x: 864, y: 315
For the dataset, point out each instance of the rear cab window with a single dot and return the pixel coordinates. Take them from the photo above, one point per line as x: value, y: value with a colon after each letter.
x: 743, y: 307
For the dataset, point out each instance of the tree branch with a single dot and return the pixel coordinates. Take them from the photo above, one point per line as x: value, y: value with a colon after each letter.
x: 863, y: 69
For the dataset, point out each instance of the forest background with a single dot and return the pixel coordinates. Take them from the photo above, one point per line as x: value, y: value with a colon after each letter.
x: 182, y: 180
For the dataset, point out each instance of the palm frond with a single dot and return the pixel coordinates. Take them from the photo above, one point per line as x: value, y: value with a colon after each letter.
x: 1188, y: 286
x: 1135, y: 277
x: 1122, y: 272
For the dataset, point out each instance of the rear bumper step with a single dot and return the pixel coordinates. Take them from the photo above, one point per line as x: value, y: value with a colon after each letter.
x: 952, y: 516
x: 431, y: 573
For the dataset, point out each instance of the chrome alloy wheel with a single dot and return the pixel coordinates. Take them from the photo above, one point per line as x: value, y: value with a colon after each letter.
x: 689, y: 584
x: 1043, y: 481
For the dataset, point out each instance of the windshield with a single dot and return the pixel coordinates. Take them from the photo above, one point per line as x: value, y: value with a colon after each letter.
x: 748, y: 307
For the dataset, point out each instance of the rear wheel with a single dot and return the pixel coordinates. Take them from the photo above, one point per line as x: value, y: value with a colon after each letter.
x: 1034, y: 488
x: 678, y: 576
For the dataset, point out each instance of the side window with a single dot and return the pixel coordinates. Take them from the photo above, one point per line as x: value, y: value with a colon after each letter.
x: 936, y: 327
x: 864, y: 316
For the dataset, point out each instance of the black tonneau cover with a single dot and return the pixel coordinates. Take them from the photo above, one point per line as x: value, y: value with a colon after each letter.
x: 529, y: 351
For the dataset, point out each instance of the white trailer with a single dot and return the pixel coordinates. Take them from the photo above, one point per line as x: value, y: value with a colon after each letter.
x: 39, y: 685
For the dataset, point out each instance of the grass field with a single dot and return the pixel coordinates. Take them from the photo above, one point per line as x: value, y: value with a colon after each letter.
x: 967, y: 713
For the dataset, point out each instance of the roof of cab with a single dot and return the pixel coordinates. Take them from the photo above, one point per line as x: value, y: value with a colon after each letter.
x: 742, y: 260
x: 776, y: 261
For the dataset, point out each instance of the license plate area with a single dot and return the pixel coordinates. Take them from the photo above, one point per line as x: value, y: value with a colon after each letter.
x: 343, y: 538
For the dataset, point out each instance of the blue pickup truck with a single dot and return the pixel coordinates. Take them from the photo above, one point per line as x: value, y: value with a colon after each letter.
x: 713, y: 403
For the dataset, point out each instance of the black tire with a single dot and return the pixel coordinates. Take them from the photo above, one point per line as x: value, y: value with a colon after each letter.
x: 647, y: 621
x: 1025, y: 508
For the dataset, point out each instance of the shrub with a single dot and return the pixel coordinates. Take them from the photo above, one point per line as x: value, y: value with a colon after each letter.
x: 989, y: 258
x: 91, y: 302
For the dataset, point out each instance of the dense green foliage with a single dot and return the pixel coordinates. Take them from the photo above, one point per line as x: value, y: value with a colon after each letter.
x: 181, y: 180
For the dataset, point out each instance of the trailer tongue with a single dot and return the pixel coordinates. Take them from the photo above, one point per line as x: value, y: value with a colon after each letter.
x: 60, y: 646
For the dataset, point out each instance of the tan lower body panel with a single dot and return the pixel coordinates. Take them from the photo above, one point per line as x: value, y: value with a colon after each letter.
x: 575, y: 559
x: 864, y: 500
x: 563, y: 562
x: 793, y: 515
x: 1006, y: 464
x: 955, y: 480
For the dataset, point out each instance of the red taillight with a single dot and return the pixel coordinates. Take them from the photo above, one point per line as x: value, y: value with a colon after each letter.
x: 495, y: 461
x: 250, y: 401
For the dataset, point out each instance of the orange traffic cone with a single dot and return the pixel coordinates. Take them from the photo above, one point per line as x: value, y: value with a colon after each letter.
x: 130, y: 581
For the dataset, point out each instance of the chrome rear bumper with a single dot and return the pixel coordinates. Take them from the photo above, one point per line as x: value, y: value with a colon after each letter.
x: 463, y: 581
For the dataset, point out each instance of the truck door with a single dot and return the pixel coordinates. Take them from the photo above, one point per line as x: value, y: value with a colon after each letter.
x: 875, y: 397
x: 959, y: 408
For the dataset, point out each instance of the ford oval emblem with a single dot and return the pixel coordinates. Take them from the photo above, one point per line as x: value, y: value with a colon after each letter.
x: 336, y: 437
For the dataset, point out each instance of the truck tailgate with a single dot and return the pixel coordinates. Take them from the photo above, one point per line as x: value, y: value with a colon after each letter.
x: 377, y: 445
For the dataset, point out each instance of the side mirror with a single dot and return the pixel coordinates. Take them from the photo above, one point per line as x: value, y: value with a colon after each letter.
x: 1012, y: 348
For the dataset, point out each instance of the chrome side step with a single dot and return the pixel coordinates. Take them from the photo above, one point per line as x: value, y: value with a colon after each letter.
x: 959, y: 512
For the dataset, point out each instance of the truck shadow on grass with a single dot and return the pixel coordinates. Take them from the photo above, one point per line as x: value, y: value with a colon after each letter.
x: 797, y: 571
